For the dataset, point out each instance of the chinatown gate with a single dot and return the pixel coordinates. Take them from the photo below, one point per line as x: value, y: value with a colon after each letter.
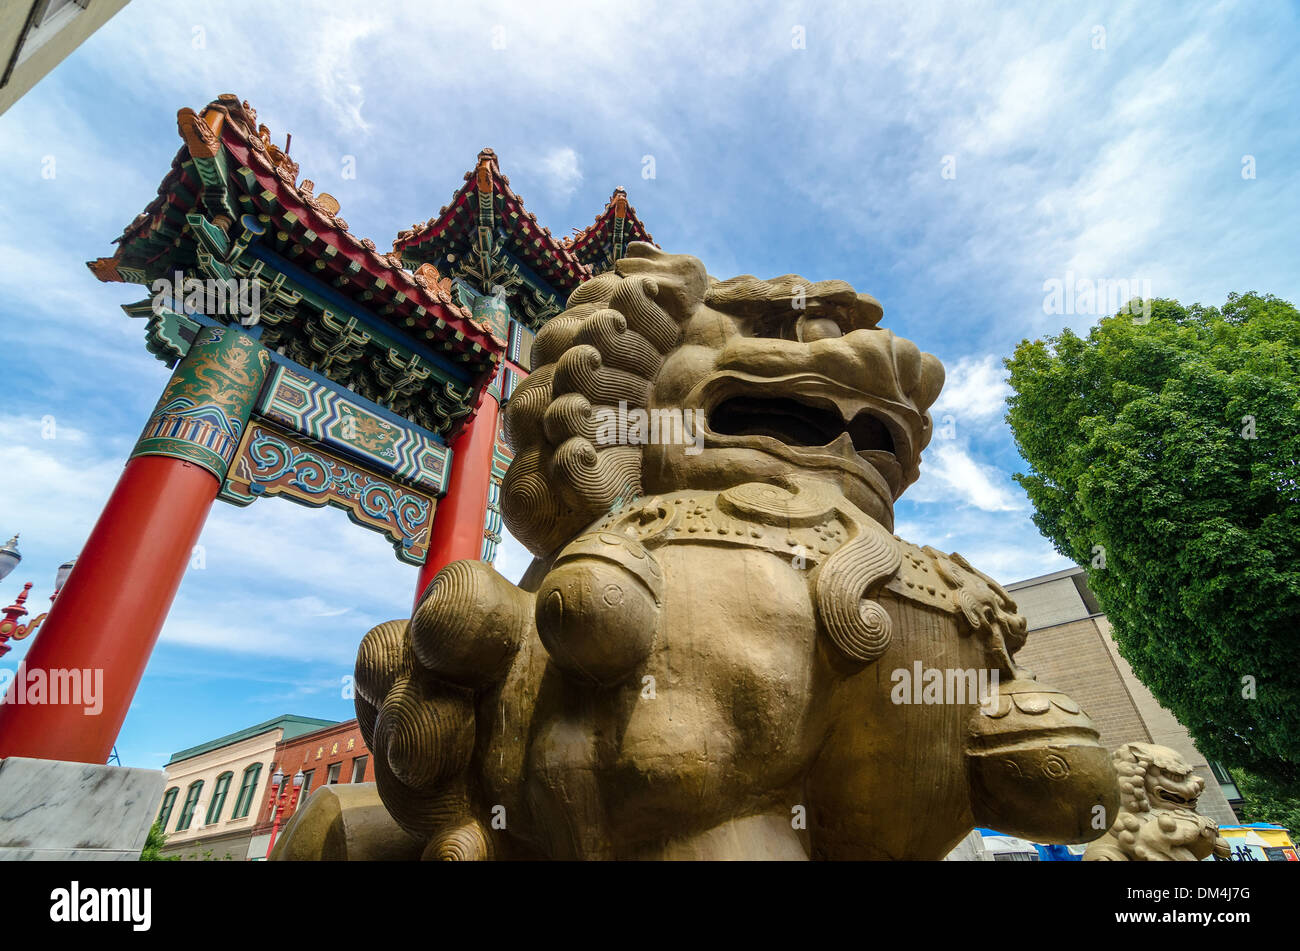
x: 309, y: 366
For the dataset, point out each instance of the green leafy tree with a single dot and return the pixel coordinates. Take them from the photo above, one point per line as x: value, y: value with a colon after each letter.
x: 1165, y: 459
x: 153, y: 845
x: 1267, y: 801
x: 200, y: 854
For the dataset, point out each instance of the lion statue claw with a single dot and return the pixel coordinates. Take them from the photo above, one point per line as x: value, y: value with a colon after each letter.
x: 706, y: 659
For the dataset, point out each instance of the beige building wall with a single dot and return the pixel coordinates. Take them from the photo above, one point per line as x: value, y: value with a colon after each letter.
x: 1070, y: 647
x: 225, y: 834
x: 37, y: 36
x: 1167, y: 731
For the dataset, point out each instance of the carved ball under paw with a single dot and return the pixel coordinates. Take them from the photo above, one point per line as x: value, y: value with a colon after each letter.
x: 598, y: 608
x: 1037, y: 768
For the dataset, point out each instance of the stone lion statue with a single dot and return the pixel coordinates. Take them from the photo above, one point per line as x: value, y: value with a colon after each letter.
x: 1157, y: 819
x: 713, y: 653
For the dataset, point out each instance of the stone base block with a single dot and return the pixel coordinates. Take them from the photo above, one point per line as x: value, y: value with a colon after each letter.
x: 50, y: 809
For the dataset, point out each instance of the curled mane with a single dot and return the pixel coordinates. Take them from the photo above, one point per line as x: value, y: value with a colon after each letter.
x: 606, y: 348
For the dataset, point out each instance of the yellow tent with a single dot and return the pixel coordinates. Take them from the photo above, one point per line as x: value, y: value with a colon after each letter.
x: 1261, y: 841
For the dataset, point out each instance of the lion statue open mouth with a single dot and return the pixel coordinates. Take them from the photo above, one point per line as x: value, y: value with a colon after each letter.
x: 704, y: 660
x: 787, y: 375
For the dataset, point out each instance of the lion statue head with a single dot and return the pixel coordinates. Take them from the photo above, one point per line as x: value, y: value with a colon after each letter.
x: 1155, y: 777
x: 773, y: 377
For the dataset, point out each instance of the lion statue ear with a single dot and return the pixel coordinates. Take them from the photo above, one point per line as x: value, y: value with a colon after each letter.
x: 682, y: 278
x: 604, y: 350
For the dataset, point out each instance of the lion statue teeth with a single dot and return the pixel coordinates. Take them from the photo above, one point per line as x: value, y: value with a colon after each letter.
x: 698, y: 663
x: 1157, y: 819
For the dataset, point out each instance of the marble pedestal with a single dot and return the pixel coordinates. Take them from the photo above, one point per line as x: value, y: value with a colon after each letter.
x: 50, y: 809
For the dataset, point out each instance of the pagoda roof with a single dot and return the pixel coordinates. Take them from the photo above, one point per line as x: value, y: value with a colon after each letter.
x: 591, y: 244
x: 561, y: 263
x: 264, y: 177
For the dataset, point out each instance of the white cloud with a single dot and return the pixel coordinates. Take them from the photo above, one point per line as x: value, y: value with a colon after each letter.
x: 339, y: 64
x: 1103, y: 161
x: 994, y: 543
x: 51, y: 490
x: 261, y: 622
x: 561, y: 171
x: 950, y: 475
x: 512, y: 558
x: 974, y: 391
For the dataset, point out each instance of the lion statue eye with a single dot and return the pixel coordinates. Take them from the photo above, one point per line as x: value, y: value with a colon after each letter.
x: 818, y: 328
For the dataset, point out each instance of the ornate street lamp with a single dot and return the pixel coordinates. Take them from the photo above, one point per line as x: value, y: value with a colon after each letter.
x: 10, y: 629
x: 282, y: 799
x: 9, y: 557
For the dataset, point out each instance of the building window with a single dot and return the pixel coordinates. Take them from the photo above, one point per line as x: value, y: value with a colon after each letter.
x: 306, y: 783
x: 1226, y: 783
x: 359, y: 769
x: 247, y: 790
x: 218, y: 798
x: 333, y: 776
x: 169, y: 800
x: 47, y: 17
x: 51, y: 7
x: 187, y: 810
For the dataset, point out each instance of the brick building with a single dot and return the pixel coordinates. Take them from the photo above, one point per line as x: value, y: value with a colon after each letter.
x: 1071, y: 648
x: 330, y: 755
x: 212, y: 789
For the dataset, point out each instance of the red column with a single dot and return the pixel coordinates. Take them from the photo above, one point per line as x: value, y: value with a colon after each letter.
x: 459, y: 519
x: 111, y: 610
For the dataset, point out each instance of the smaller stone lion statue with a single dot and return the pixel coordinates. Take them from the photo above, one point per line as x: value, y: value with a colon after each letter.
x: 1157, y: 819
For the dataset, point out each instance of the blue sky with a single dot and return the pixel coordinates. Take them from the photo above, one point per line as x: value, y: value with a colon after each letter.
x: 947, y: 158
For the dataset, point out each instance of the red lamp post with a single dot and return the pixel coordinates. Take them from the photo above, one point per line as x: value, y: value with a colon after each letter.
x: 283, y: 798
x: 10, y: 629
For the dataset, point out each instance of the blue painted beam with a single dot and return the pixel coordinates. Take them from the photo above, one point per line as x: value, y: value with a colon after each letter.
x: 256, y: 331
